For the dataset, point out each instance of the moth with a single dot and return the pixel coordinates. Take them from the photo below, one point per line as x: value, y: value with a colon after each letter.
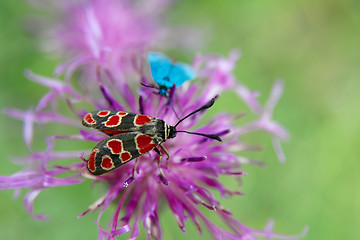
x: 130, y: 135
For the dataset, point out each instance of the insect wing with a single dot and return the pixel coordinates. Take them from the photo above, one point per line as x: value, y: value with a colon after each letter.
x: 117, y: 150
x: 166, y: 74
x: 181, y: 72
x: 160, y: 67
x: 115, y: 122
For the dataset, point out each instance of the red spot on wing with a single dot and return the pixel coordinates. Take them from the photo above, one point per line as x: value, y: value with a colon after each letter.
x: 144, y: 143
x: 143, y: 140
x: 107, y: 163
x: 125, y: 156
x: 142, y: 119
x: 115, y: 146
x: 113, y: 132
x: 121, y: 113
x: 147, y: 148
x: 89, y: 119
x: 91, y: 162
x: 113, y: 121
x: 103, y: 113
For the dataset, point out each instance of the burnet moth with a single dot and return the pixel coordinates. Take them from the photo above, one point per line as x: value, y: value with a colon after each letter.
x: 130, y: 136
x: 168, y: 74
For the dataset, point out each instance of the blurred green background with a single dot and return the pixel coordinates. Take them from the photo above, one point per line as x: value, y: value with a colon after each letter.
x: 312, y: 45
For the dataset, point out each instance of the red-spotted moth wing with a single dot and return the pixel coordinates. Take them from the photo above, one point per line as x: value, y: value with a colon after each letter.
x: 116, y: 122
x: 117, y: 150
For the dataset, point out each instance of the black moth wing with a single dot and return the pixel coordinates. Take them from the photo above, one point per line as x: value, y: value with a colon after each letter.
x: 114, y: 151
x: 114, y: 122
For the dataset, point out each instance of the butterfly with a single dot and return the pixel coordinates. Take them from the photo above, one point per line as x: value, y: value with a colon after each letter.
x: 166, y: 73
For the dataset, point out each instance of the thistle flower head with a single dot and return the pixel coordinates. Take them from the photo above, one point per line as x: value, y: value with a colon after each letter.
x: 190, y: 176
x: 186, y: 182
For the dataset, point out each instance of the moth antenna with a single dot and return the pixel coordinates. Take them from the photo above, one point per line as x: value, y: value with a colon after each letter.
x: 208, y: 105
x: 149, y: 86
x: 212, y: 136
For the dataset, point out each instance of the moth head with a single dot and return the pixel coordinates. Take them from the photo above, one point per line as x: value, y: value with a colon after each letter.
x: 172, y: 132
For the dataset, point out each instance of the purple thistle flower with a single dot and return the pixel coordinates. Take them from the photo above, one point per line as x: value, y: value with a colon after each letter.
x: 192, y: 173
x: 112, y: 68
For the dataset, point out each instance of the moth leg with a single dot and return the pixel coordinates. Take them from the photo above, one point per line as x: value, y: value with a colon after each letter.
x: 134, y: 169
x: 159, y: 160
x: 151, y: 93
x: 130, y: 179
x: 163, y: 108
x: 167, y: 154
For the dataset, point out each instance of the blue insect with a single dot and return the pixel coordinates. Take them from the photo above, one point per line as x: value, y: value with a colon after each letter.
x: 166, y: 74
